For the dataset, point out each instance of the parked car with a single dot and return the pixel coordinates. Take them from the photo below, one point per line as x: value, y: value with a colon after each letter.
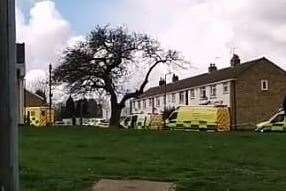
x: 102, y: 123
x: 143, y: 121
x: 275, y: 123
x: 59, y: 123
x: 130, y: 121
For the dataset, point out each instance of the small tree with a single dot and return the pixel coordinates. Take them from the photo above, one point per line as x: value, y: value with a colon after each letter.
x: 78, y: 108
x: 81, y: 109
x: 70, y: 109
x: 85, y: 108
x: 105, y: 58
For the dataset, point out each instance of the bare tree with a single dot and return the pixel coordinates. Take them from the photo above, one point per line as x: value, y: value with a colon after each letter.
x: 102, y: 61
x: 39, y: 85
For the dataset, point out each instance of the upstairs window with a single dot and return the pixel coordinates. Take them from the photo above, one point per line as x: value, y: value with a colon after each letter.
x: 158, y: 102
x: 150, y: 102
x: 182, y: 97
x: 133, y: 104
x: 213, y: 91
x: 139, y: 104
x: 144, y: 104
x: 264, y: 85
x: 203, y: 93
x: 169, y: 98
x: 225, y: 88
x: 173, y: 98
x: 192, y: 94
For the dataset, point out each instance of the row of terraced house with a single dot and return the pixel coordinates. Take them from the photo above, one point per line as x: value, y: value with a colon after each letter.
x: 253, y: 91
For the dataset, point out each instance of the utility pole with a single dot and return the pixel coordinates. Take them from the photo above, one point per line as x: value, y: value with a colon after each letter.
x: 9, y: 180
x: 165, y: 97
x: 50, y: 95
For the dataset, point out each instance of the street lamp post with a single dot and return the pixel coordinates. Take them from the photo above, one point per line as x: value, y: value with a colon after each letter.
x: 50, y: 95
x: 165, y: 96
x: 8, y: 105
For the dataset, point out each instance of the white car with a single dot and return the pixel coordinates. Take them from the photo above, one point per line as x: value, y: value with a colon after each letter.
x: 275, y: 123
x: 103, y: 124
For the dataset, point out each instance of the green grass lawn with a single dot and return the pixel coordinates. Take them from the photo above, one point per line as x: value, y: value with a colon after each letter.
x: 72, y: 159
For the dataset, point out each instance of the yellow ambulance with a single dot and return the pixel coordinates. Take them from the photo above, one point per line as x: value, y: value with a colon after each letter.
x: 200, y: 118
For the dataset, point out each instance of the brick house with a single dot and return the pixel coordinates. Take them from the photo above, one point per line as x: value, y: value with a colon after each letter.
x: 37, y: 111
x: 253, y: 91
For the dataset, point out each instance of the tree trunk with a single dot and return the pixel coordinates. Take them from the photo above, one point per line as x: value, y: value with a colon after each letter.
x: 115, y: 117
x: 115, y: 114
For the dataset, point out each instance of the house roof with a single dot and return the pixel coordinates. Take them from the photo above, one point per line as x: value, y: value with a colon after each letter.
x: 34, y: 100
x: 206, y: 78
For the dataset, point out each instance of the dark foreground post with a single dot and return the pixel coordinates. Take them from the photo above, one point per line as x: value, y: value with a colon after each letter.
x: 8, y: 99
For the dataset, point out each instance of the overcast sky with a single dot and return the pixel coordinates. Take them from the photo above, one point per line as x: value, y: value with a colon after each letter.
x: 204, y: 31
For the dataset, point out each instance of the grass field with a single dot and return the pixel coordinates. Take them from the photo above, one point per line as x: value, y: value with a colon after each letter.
x: 72, y: 159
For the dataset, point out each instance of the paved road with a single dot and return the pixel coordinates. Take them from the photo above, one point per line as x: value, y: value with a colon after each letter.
x: 132, y: 185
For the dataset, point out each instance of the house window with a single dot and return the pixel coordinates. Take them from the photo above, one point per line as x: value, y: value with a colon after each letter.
x: 213, y: 91
x: 144, y: 104
x: 192, y: 94
x: 43, y: 113
x: 182, y: 97
x: 158, y: 102
x: 203, y: 93
x: 264, y: 85
x: 150, y: 102
x: 225, y: 88
x: 173, y: 98
x: 133, y: 104
x: 32, y: 113
x: 139, y: 104
x: 169, y: 98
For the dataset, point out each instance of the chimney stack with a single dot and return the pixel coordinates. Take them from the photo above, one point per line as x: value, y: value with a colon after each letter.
x: 212, y: 68
x: 175, y: 78
x: 161, y: 82
x: 235, y: 61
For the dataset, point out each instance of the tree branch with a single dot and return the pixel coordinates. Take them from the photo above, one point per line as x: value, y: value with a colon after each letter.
x: 141, y: 89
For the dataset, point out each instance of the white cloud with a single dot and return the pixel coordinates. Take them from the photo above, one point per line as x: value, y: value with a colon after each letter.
x: 45, y: 34
x: 206, y: 29
x: 202, y: 29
